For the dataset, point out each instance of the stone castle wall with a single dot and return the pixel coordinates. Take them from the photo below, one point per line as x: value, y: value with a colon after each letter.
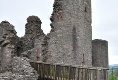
x: 8, y: 41
x: 32, y: 31
x: 69, y: 40
x: 71, y: 35
x: 11, y: 66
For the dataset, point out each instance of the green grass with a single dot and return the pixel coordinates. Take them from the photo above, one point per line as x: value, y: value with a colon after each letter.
x: 113, y: 77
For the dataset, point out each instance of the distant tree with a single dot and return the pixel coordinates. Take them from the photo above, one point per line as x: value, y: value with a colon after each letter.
x: 113, y: 77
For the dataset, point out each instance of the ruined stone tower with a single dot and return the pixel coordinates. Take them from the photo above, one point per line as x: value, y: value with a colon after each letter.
x: 71, y: 34
x: 100, y: 53
x: 69, y: 42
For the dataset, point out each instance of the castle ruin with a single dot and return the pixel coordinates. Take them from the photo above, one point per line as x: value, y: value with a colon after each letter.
x: 69, y: 41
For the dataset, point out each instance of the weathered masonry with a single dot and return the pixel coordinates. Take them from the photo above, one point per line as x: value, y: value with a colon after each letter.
x: 100, y: 53
x: 69, y: 43
x: 71, y: 35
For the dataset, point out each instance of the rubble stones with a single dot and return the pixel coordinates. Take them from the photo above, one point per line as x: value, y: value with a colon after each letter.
x: 20, y: 70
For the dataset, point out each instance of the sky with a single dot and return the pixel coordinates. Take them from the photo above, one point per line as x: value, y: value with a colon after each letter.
x: 104, y: 19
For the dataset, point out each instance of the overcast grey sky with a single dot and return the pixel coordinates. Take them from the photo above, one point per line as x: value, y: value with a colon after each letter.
x: 104, y: 19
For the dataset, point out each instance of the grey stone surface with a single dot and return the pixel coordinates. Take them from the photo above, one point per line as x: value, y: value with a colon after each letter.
x: 20, y: 70
x: 100, y: 53
x: 8, y: 43
x: 34, y: 43
x: 12, y: 67
x: 69, y: 42
x: 5, y: 25
x: 71, y: 34
x: 32, y: 31
x: 39, y: 52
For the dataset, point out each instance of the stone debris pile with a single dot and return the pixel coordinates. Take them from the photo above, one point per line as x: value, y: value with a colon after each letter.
x: 20, y: 70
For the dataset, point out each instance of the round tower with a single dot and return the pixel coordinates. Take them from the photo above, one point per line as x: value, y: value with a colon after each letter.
x: 100, y: 53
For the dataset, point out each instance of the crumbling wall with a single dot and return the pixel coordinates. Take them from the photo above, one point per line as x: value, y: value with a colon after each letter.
x: 34, y: 43
x: 71, y: 34
x: 100, y: 53
x: 32, y: 31
x: 12, y: 67
x: 39, y: 52
x: 8, y: 43
x: 69, y: 40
